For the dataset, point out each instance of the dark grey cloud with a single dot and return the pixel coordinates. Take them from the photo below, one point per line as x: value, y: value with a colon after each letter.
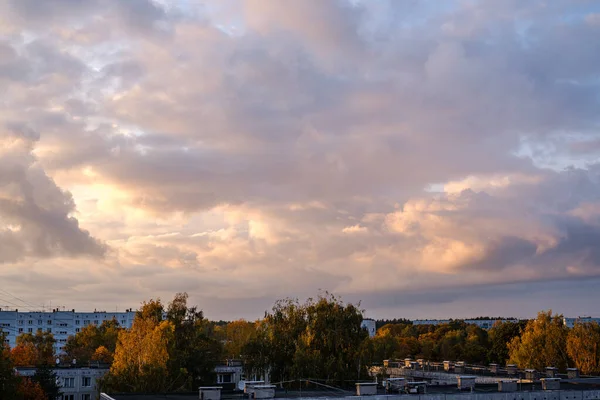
x: 35, y: 213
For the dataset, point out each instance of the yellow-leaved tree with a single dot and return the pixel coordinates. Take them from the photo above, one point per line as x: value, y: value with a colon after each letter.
x: 542, y: 343
x: 583, y: 347
x: 142, y: 353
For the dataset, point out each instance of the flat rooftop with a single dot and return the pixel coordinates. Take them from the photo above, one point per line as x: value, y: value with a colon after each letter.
x: 333, y: 393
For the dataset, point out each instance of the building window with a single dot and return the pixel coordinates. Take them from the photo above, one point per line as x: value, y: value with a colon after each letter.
x: 86, y: 381
x: 30, y: 330
x: 123, y: 322
x: 77, y: 330
x: 20, y: 330
x: 68, y: 397
x: 77, y: 322
x: 86, y: 322
x: 95, y: 322
x: 49, y: 322
x: 20, y: 322
x: 49, y: 330
x: 85, y: 396
x: 30, y: 322
x: 69, y: 382
x: 40, y: 322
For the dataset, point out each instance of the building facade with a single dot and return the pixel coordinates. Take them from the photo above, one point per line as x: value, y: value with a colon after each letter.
x: 230, y: 375
x: 570, y: 322
x: 370, y: 326
x: 482, y: 323
x: 61, y: 324
x: 75, y: 383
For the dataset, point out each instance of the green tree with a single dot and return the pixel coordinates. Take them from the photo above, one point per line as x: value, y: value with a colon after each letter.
x: 46, y: 378
x: 384, y: 345
x: 583, y: 346
x: 194, y: 352
x: 8, y: 381
x: 501, y: 334
x: 542, y: 343
x: 321, y: 337
x: 274, y: 345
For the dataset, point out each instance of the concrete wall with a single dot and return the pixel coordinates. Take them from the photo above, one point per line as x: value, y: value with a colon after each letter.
x: 537, y: 395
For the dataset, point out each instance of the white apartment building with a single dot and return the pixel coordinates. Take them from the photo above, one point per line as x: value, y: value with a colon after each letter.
x: 75, y: 383
x: 482, y: 323
x: 369, y: 325
x: 570, y: 322
x: 61, y: 324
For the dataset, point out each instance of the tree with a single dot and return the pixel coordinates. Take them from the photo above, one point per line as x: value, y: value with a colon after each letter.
x: 501, y: 334
x: 542, y: 343
x: 83, y: 347
x: 236, y: 335
x: 30, y: 390
x: 274, y: 345
x: 8, y: 381
x: 583, y: 347
x: 103, y: 355
x: 142, y: 353
x: 42, y: 343
x: 321, y: 337
x: 193, y: 353
x: 46, y: 378
x: 24, y: 354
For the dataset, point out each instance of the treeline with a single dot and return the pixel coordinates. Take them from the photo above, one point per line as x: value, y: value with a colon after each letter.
x: 172, y: 348
x: 538, y: 343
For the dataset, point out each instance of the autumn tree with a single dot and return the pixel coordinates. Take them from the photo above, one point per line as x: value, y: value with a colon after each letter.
x: 583, y: 346
x: 24, y: 354
x: 30, y: 390
x: 236, y: 335
x: 142, y: 353
x: 34, y: 349
x: 162, y: 355
x: 84, y: 346
x: 542, y: 343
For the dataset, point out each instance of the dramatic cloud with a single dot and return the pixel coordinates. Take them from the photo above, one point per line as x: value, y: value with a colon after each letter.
x: 249, y: 150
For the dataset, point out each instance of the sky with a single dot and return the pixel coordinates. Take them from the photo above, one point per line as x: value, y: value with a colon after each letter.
x: 430, y: 159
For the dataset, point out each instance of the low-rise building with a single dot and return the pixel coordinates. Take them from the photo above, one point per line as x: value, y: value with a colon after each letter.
x: 76, y: 383
x: 231, y: 375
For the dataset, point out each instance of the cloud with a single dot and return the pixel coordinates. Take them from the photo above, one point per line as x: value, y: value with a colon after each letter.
x: 35, y: 214
x: 353, y: 146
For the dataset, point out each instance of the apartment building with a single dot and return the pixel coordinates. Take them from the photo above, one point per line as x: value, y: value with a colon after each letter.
x: 61, y: 324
